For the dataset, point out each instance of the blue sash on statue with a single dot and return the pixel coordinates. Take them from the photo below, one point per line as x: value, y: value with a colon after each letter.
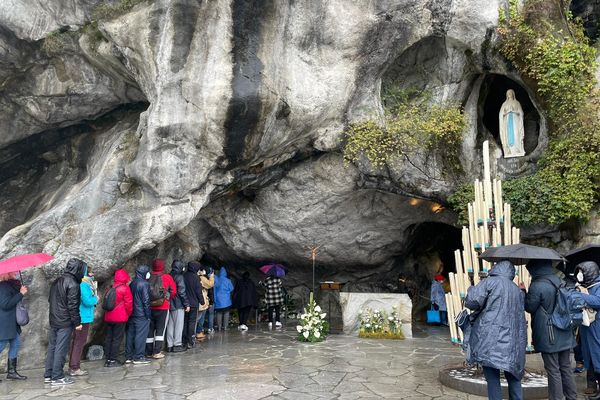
x: 511, y: 129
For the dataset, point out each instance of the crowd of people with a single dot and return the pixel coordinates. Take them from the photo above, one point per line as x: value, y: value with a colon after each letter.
x: 497, y: 337
x: 181, y: 307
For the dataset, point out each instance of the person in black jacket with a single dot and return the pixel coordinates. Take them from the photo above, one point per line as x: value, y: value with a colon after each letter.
x: 179, y: 306
x: 244, y: 298
x: 139, y: 321
x: 64, y: 302
x: 11, y: 293
x: 193, y: 290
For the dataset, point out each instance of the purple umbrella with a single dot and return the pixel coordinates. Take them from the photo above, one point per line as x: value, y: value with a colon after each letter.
x: 277, y: 270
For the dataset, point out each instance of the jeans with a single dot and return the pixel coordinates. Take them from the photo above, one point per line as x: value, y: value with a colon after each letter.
x: 222, y: 318
x: 77, y: 344
x: 137, y: 332
x: 58, y: 347
x: 277, y: 311
x: 492, y: 377
x: 578, y: 354
x: 189, y: 326
x: 211, y: 317
x: 561, y: 383
x: 200, y: 324
x: 114, y: 336
x: 443, y: 317
x: 244, y: 313
x: 14, y: 343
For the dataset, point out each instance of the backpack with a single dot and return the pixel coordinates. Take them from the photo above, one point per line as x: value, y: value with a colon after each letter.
x: 568, y: 307
x: 157, y: 291
x: 110, y: 299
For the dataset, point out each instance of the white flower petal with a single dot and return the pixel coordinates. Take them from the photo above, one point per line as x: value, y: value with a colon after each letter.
x: 305, y: 334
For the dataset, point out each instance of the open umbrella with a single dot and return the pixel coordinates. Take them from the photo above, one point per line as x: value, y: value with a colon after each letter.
x: 277, y: 270
x: 24, y: 261
x: 519, y: 254
x: 591, y: 252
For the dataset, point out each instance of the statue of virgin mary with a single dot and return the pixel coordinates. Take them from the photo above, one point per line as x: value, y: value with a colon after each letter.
x: 512, y: 131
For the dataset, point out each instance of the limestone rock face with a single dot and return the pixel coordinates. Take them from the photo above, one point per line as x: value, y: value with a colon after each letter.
x: 213, y: 130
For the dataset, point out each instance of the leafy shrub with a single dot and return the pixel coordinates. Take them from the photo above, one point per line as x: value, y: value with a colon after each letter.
x: 409, y: 126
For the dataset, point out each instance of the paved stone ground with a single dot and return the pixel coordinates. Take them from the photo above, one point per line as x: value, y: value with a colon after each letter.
x: 271, y: 365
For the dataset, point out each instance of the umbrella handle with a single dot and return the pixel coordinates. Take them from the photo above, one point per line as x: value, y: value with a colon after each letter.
x: 21, y: 277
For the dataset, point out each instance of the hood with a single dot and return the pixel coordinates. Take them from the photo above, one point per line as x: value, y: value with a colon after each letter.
x: 539, y: 268
x: 158, y: 266
x: 141, y: 271
x: 194, y: 266
x: 121, y: 277
x: 590, y: 272
x: 77, y: 268
x: 222, y: 273
x: 503, y: 268
x: 178, y: 267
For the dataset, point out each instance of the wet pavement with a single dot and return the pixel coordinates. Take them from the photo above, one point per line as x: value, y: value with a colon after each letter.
x: 262, y: 364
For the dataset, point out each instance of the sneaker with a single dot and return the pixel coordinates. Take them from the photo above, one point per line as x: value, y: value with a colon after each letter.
x: 128, y: 361
x: 77, y: 372
x: 141, y: 361
x: 578, y: 370
x: 179, y: 349
x: 62, y: 381
x: 47, y: 380
x: 589, y: 391
x: 243, y: 328
x: 211, y: 331
x: 158, y: 356
x: 278, y: 325
x: 270, y: 325
x: 200, y: 336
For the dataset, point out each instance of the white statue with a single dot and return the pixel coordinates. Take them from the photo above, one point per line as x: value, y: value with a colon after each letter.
x: 512, y: 131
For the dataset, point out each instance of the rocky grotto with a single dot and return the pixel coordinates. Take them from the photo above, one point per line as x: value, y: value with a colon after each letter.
x: 213, y: 130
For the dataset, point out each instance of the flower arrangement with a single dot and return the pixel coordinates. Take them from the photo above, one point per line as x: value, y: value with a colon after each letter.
x: 380, y: 324
x: 313, y: 327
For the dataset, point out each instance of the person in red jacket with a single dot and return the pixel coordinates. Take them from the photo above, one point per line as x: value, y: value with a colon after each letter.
x: 117, y: 318
x: 160, y: 313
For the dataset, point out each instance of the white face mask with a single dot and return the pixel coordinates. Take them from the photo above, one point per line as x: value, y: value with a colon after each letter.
x: 579, y: 277
x: 147, y: 275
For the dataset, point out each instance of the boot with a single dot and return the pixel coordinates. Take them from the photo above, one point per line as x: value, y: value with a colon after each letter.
x: 12, y: 370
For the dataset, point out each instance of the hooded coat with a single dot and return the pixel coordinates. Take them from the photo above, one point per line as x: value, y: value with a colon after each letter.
x: 590, y: 335
x: 540, y: 302
x: 498, y: 337
x: 65, y: 296
x: 245, y: 294
x: 140, y: 290
x: 89, y: 299
x: 158, y: 269
x: 124, y: 300
x: 180, y: 300
x: 223, y: 289
x: 9, y: 298
x: 193, y: 287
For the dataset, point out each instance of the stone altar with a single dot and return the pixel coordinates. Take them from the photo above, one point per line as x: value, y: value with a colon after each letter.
x: 352, y: 303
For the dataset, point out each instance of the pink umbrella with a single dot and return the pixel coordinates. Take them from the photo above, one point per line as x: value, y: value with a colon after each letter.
x: 24, y: 261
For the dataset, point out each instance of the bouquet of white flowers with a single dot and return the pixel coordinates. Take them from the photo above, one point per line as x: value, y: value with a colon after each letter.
x: 313, y: 326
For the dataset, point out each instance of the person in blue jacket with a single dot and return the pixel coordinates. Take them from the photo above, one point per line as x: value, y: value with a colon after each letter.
x: 89, y: 299
x: 588, y: 276
x: 498, y: 337
x: 138, y: 324
x: 223, y: 302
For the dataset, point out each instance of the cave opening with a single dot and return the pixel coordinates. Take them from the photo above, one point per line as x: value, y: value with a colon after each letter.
x: 430, y: 251
x: 492, y: 95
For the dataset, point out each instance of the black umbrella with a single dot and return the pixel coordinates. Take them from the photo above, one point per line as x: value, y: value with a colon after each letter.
x: 591, y: 252
x: 519, y: 254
